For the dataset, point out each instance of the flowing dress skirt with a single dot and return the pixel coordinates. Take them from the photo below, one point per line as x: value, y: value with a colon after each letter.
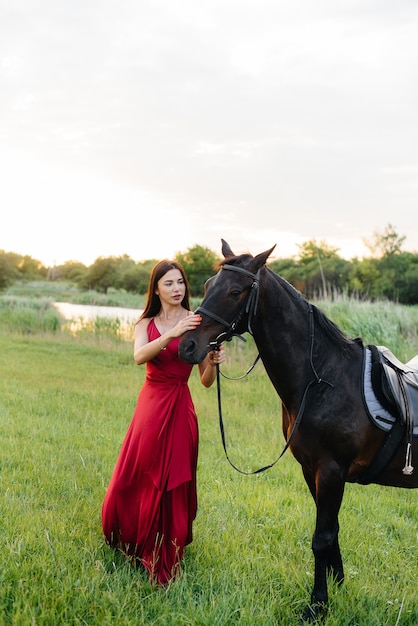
x: 151, y: 500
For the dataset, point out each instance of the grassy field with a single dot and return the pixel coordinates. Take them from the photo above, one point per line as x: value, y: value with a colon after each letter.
x: 65, y: 405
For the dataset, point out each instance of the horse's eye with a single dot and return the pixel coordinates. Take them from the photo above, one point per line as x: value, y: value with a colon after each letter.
x: 235, y: 293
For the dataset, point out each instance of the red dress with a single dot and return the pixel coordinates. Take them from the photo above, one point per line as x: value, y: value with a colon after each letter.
x: 151, y: 500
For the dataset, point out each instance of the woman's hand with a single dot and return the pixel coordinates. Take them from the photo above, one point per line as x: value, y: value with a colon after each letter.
x: 208, y: 366
x: 190, y: 322
x: 216, y: 357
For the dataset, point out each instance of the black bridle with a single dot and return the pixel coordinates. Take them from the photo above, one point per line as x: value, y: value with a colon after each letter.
x: 250, y: 308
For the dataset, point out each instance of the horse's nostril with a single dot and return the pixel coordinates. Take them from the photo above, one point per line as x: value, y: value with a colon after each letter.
x: 189, y: 347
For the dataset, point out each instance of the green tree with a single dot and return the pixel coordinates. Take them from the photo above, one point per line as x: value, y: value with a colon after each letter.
x: 123, y: 264
x: 408, y: 290
x: 394, y: 267
x: 135, y: 278
x: 386, y: 243
x: 321, y: 270
x: 30, y: 268
x: 384, y: 274
x: 288, y: 268
x: 199, y: 263
x: 70, y: 270
x: 24, y: 267
x: 101, y: 275
x: 364, y: 278
x: 8, y: 271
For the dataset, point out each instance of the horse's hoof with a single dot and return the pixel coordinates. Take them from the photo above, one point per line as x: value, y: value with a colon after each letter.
x: 313, y: 613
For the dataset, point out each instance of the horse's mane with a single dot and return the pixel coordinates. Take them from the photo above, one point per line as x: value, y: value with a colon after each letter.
x: 330, y: 329
x: 333, y: 333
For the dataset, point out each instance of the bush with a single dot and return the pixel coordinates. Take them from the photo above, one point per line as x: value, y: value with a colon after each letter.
x: 28, y: 316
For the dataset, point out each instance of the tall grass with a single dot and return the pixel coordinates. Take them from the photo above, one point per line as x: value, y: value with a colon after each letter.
x: 62, y: 291
x: 380, y: 323
x: 66, y: 402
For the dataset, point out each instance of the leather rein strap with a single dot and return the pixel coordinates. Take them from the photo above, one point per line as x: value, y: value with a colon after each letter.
x: 222, y: 429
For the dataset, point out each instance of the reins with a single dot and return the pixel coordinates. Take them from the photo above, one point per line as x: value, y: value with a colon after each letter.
x: 250, y: 307
x: 295, y: 426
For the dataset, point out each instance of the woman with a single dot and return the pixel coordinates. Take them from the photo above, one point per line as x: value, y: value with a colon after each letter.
x: 151, y: 500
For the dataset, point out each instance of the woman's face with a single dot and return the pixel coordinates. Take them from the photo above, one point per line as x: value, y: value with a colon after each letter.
x: 171, y: 287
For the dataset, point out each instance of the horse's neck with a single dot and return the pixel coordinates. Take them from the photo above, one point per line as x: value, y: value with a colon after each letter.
x: 281, y: 332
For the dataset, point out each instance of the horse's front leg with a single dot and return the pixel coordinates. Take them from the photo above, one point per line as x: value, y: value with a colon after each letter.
x: 327, y: 488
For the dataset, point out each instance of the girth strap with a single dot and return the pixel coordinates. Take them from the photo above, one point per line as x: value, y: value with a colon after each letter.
x: 384, y: 455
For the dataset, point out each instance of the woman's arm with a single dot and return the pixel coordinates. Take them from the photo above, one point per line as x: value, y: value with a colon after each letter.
x: 145, y: 350
x: 207, y: 368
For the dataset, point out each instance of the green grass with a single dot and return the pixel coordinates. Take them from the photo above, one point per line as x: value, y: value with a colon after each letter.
x: 66, y: 403
x: 62, y: 291
x: 381, y: 323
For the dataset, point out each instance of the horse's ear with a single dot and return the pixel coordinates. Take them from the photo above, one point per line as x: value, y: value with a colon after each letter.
x: 260, y: 260
x: 226, y: 250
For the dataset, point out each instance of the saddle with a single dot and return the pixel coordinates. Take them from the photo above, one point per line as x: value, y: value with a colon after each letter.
x: 390, y: 393
x: 400, y: 386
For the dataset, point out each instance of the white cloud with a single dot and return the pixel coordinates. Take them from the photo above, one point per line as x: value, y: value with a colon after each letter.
x: 295, y: 118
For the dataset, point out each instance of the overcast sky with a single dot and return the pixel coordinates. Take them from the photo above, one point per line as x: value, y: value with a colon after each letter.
x: 146, y: 127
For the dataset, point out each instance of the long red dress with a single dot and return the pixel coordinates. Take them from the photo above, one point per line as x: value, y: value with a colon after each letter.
x: 151, y: 501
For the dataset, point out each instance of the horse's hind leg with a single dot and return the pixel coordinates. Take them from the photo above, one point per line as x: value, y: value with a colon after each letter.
x: 335, y: 566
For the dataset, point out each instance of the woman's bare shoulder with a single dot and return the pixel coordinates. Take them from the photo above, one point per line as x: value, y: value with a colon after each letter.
x: 142, y: 324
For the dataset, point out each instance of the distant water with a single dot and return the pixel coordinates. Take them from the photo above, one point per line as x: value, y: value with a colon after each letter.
x: 87, y: 312
x: 78, y: 315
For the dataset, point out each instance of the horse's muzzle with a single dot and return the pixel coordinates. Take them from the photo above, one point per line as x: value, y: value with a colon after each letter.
x: 189, y: 350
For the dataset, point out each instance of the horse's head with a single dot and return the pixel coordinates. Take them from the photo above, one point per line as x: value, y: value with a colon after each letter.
x: 229, y: 302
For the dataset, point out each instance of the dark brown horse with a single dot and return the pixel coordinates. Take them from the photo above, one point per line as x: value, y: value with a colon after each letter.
x: 317, y: 372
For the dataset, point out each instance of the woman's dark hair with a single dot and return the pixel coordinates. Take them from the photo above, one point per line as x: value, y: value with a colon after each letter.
x: 153, y: 302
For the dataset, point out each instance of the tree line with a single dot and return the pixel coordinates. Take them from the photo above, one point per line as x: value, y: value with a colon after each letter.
x: 318, y: 271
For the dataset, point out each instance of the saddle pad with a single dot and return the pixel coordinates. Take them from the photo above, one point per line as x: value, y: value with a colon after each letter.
x: 377, y: 413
